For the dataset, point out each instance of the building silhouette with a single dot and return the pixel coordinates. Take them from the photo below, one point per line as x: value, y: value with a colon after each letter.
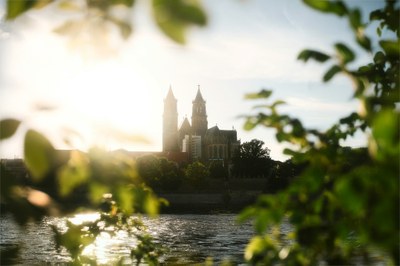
x: 195, y: 138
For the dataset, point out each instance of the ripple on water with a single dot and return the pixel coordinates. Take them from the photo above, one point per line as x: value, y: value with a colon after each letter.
x: 187, y: 238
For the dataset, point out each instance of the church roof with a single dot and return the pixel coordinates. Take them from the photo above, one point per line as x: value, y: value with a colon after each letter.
x: 199, y: 97
x: 185, y: 126
x: 170, y: 94
x: 215, y: 132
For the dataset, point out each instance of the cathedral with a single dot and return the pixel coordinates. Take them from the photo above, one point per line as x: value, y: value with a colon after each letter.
x: 195, y: 138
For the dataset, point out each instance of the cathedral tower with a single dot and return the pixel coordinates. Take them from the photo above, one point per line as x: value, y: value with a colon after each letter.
x: 199, y: 115
x: 170, y: 123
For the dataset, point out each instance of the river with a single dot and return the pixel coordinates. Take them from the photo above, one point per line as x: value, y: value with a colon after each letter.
x: 188, y: 239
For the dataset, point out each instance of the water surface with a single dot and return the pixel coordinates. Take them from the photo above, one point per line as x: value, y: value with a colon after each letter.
x: 187, y: 239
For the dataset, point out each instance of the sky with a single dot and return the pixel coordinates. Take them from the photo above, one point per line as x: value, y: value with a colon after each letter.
x: 81, y: 94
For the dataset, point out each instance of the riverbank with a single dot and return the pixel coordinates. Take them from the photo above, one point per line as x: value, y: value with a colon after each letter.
x: 208, y: 203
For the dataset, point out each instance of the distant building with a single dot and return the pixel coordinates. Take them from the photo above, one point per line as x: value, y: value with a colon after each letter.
x: 199, y: 141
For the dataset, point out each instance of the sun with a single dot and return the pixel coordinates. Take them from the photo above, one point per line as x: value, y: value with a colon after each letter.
x: 119, y: 106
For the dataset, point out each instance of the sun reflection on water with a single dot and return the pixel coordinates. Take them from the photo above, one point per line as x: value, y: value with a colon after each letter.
x: 110, y: 246
x: 78, y: 219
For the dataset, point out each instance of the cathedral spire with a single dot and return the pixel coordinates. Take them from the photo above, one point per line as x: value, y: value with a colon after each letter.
x: 170, y: 94
x: 199, y: 97
x: 170, y: 122
x: 199, y: 115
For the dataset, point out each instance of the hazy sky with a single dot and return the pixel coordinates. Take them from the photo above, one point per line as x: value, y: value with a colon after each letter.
x: 105, y: 100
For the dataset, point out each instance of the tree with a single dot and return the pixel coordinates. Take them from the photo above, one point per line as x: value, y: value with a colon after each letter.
x: 253, y: 150
x: 344, y: 207
x: 252, y: 159
x: 171, y: 176
x: 149, y: 169
x: 159, y: 173
x: 197, y: 174
x: 217, y: 170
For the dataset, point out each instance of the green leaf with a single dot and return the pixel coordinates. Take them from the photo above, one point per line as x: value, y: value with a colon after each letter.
x: 16, y: 8
x: 355, y: 19
x: 97, y: 191
x: 337, y: 7
x: 128, y: 3
x: 364, y: 41
x: 379, y: 58
x: 257, y: 246
x: 346, y: 54
x: 8, y: 127
x: 276, y: 103
x: 379, y: 31
x: 305, y: 55
x: 246, y: 214
x: 318, y: 5
x: 39, y: 154
x: 74, y: 173
x: 391, y: 48
x: 249, y: 125
x: 174, y: 16
x: 263, y: 94
x: 386, y: 131
x: 331, y: 73
x: 151, y: 205
x: 125, y: 199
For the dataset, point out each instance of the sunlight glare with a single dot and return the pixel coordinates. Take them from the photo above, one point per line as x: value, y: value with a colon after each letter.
x: 84, y: 217
x: 116, y: 103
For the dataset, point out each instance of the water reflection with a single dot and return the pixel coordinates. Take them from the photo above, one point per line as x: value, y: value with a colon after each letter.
x: 187, y: 239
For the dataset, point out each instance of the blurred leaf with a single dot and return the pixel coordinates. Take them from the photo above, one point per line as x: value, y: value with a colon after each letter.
x: 386, y: 132
x: 336, y: 7
x: 346, y: 54
x: 276, y: 103
x: 391, y: 48
x: 318, y: 5
x: 262, y: 220
x: 257, y: 246
x: 128, y: 3
x: 379, y: 58
x: 69, y: 5
x: 151, y: 205
x: 379, y: 31
x: 246, y: 214
x: 76, y: 172
x: 305, y: 55
x: 263, y: 94
x: 96, y: 191
x: 17, y: 7
x: 8, y: 127
x: 125, y: 199
x: 174, y: 16
x: 69, y: 27
x: 331, y: 73
x: 364, y: 41
x: 355, y: 19
x: 124, y: 27
x: 350, y: 195
x: 39, y: 154
x: 249, y: 125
